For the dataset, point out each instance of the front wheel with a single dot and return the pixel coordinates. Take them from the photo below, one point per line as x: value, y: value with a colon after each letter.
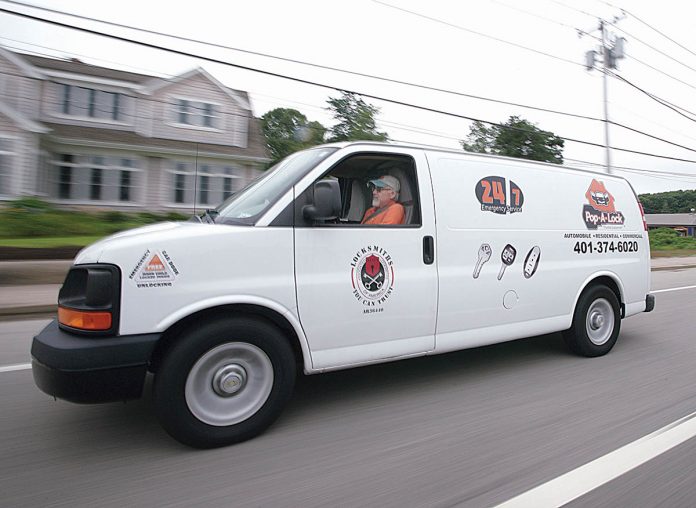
x: 224, y: 382
x: 596, y: 322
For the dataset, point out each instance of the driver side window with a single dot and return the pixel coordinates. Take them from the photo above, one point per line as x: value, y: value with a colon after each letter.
x: 376, y: 190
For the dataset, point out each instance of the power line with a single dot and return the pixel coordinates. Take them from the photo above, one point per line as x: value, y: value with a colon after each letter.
x: 660, y: 71
x: 657, y: 99
x: 614, y: 123
x: 480, y: 34
x: 649, y: 26
x: 575, y: 9
x: 639, y: 170
x: 544, y: 18
x: 650, y: 135
x: 653, y: 48
x: 317, y: 84
x: 651, y: 121
x: 309, y: 64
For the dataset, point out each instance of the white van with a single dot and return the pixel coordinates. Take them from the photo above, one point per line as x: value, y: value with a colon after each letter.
x: 224, y: 309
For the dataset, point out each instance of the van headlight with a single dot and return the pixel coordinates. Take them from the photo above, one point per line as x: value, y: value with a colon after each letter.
x: 89, y: 300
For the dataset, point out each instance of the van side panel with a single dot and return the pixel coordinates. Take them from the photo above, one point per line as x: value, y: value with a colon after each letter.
x: 214, y: 265
x: 517, y: 242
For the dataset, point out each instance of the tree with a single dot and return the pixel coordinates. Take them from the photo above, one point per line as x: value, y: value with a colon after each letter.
x: 287, y: 131
x: 356, y: 119
x: 681, y: 201
x: 515, y: 138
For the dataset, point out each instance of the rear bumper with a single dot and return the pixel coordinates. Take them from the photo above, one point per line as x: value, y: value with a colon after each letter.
x: 649, y: 303
x: 90, y: 369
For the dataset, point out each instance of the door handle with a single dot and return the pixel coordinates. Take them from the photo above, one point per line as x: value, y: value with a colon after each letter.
x: 428, y: 250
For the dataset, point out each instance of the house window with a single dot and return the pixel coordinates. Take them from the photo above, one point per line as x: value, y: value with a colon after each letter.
x: 125, y: 187
x: 183, y: 111
x: 95, y: 184
x: 227, y: 188
x: 179, y: 187
x: 91, y: 103
x: 66, y: 99
x: 65, y: 177
x: 208, y: 115
x: 96, y: 179
x: 88, y: 178
x: 209, y: 184
x: 115, y: 112
x: 6, y: 158
x: 203, y: 188
x: 197, y: 114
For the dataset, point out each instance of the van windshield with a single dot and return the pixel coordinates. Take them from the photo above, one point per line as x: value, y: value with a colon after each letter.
x: 248, y: 204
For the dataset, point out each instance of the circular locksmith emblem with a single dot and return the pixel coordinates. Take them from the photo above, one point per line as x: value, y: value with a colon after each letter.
x: 372, y: 274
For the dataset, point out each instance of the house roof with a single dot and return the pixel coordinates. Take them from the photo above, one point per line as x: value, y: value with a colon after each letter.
x: 150, y: 82
x: 89, y: 136
x: 240, y: 97
x: 670, y: 219
x: 20, y: 120
x: 78, y: 67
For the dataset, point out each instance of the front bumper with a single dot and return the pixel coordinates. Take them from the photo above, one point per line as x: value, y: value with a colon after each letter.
x: 90, y: 369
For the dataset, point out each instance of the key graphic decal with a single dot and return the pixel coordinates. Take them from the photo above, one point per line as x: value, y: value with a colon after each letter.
x: 531, y: 262
x: 507, y: 257
x: 484, y: 254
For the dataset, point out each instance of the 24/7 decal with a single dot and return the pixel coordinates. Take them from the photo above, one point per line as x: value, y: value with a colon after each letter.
x: 600, y: 211
x: 491, y: 192
x: 372, y: 277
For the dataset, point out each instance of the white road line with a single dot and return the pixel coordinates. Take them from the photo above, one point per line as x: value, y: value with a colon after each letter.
x: 10, y: 368
x: 672, y: 289
x: 580, y: 481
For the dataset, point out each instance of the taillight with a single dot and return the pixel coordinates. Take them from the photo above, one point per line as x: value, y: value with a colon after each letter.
x: 642, y: 216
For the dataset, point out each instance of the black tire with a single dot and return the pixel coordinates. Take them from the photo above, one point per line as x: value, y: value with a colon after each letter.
x: 596, y: 322
x: 224, y: 382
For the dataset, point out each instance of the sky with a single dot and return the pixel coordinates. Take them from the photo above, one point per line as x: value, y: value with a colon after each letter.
x: 529, y: 53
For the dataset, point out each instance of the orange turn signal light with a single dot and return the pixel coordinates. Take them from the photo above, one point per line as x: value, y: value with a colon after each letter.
x: 84, y: 320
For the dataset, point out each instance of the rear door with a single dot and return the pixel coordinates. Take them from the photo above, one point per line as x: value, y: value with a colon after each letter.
x: 367, y: 293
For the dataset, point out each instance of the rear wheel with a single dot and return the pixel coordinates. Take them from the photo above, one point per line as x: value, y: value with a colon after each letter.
x: 596, y: 322
x: 224, y: 382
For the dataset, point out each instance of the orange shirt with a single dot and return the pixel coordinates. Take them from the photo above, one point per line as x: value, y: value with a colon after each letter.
x: 390, y: 214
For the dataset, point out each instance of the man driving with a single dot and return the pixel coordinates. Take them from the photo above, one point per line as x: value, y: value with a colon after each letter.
x: 385, y: 208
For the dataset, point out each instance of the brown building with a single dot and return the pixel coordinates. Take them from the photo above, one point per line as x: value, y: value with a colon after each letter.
x: 78, y: 134
x: 684, y: 223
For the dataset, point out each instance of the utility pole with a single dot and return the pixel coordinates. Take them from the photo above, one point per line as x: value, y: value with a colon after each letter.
x: 605, y: 58
x: 611, y: 51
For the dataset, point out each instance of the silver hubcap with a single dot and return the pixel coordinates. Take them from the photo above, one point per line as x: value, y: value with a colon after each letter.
x: 229, y: 384
x: 229, y: 380
x: 600, y: 321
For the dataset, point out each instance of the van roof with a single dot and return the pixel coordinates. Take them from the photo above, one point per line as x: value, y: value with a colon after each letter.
x: 431, y: 148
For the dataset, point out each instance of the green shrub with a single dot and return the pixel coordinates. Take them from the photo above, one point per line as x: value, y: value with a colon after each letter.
x: 114, y: 216
x: 31, y: 217
x: 30, y: 204
x: 175, y: 216
x: 666, y: 238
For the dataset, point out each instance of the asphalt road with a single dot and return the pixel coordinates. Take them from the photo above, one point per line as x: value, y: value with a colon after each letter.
x: 473, y: 428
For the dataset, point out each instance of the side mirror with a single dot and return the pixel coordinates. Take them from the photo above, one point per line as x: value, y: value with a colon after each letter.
x: 326, y: 202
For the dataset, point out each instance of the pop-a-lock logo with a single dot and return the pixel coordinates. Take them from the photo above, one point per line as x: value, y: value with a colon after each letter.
x: 601, y: 210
